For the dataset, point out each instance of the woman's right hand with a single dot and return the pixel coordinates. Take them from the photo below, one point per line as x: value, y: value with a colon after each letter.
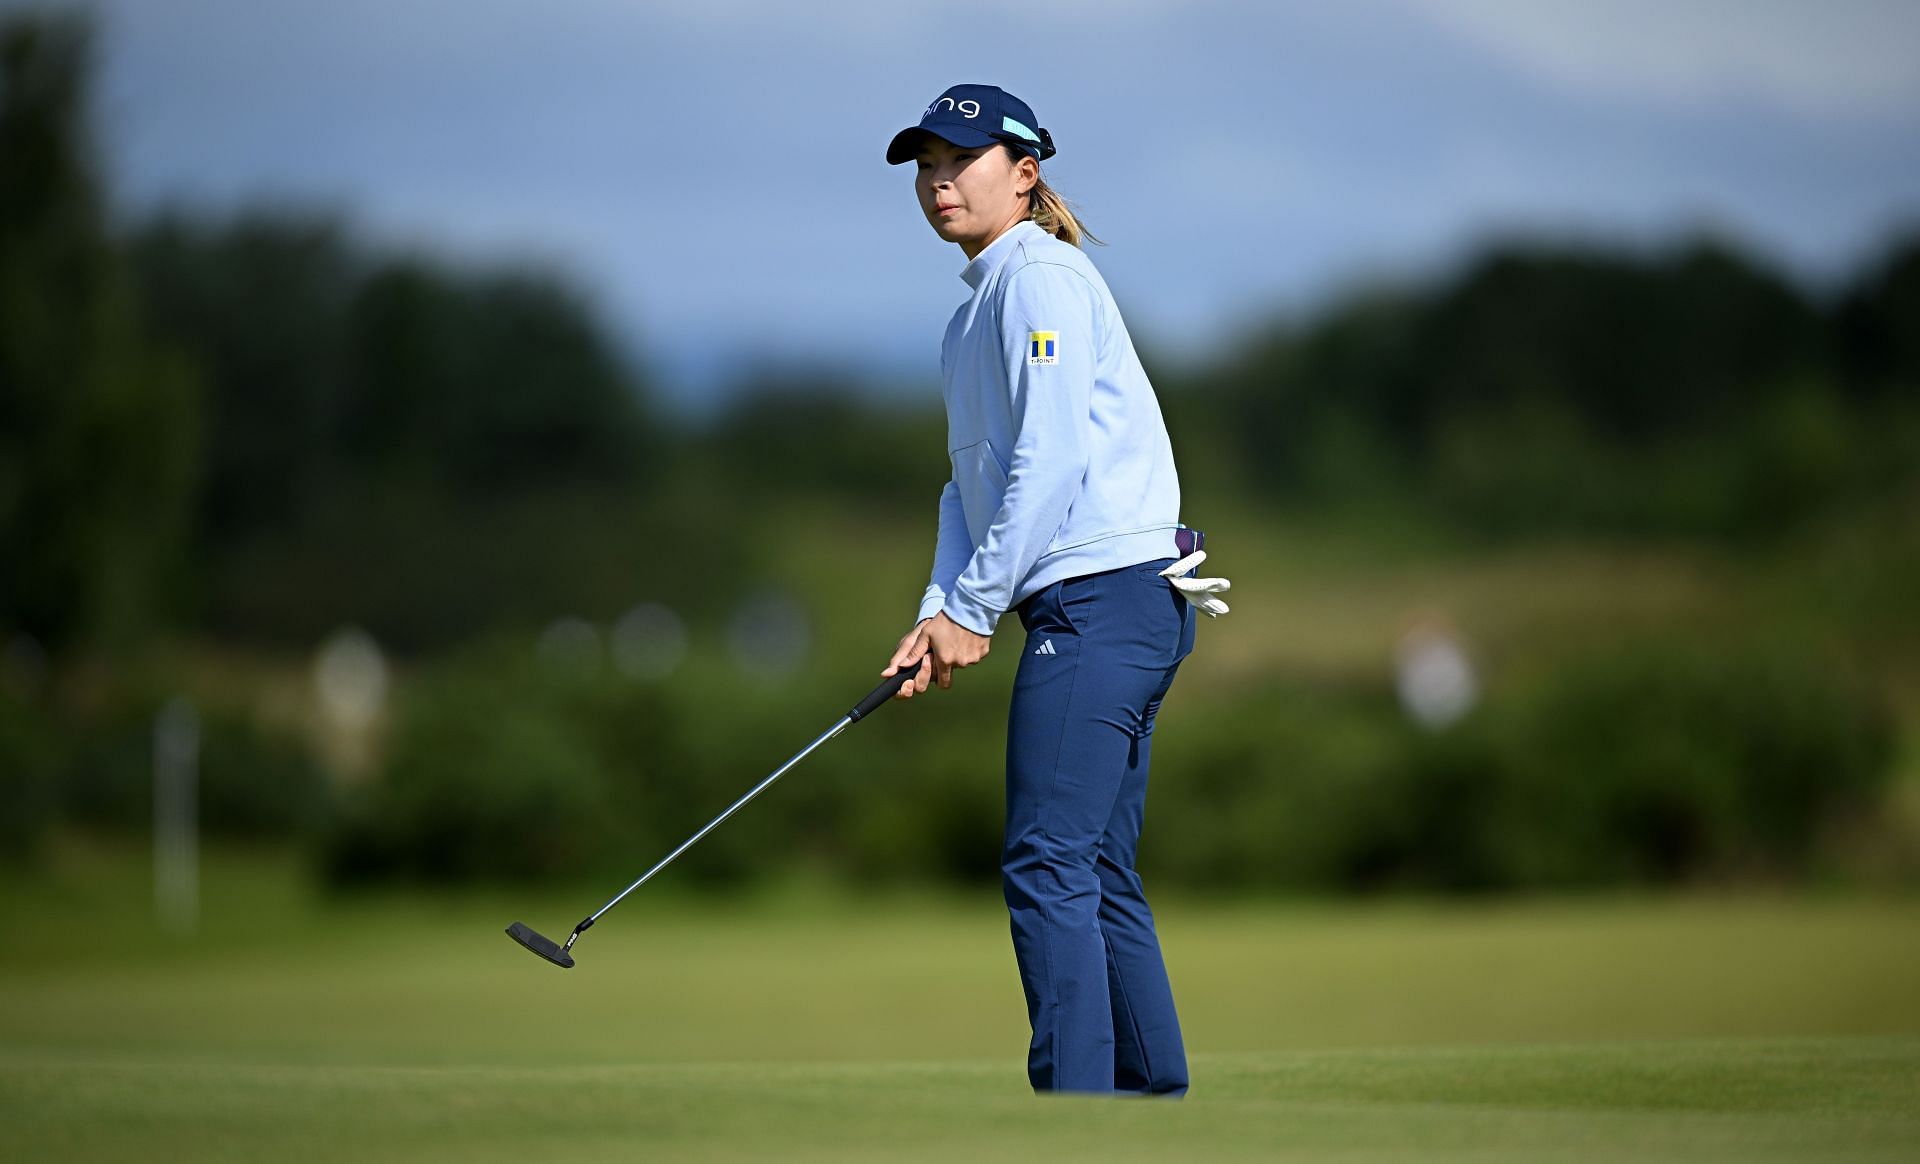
x: 913, y: 644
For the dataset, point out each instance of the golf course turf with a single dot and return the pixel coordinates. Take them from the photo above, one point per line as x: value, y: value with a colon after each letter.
x: 807, y: 1025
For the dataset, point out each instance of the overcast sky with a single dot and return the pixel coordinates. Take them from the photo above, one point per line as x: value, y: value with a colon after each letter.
x: 713, y: 171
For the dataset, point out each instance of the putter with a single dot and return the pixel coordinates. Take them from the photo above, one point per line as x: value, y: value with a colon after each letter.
x: 562, y: 955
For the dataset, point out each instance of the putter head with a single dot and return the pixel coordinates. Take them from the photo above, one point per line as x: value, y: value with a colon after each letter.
x: 545, y: 947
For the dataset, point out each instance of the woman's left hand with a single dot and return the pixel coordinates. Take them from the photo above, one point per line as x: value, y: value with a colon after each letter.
x: 951, y: 646
x: 944, y: 644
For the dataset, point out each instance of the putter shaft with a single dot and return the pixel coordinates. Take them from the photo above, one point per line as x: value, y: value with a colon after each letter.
x: 887, y: 689
x: 736, y: 806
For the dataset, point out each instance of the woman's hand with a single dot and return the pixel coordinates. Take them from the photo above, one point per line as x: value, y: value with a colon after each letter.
x: 909, y: 649
x: 938, y: 645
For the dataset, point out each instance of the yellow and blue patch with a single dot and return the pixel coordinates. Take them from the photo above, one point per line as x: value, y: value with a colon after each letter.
x: 1043, y: 347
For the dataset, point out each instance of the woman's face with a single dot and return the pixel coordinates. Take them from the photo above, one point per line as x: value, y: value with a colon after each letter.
x: 971, y: 194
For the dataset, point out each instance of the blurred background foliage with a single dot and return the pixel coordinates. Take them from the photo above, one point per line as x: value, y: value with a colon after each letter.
x: 1669, y: 503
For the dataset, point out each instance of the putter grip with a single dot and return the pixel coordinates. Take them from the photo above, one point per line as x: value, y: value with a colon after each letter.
x: 882, y: 693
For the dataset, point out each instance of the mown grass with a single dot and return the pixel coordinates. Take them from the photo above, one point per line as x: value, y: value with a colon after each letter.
x: 1813, y: 1099
x: 803, y: 1024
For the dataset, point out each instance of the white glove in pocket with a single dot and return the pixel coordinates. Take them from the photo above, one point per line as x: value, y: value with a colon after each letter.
x: 1201, y: 592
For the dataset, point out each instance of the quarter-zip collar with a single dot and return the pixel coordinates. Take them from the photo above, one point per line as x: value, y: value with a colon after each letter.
x: 988, y: 260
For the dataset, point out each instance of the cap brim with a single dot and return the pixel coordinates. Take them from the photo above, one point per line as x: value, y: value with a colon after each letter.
x: 906, y: 143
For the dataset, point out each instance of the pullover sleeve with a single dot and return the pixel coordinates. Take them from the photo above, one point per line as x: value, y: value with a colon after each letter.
x: 950, y: 552
x: 1049, y: 340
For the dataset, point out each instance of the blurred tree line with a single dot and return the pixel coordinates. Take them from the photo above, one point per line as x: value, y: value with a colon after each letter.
x: 255, y: 429
x: 1560, y: 390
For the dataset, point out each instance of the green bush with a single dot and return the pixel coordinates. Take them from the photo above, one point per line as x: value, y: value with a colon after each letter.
x: 253, y: 781
x: 918, y: 796
x: 257, y: 781
x: 500, y: 768
x: 481, y: 782
x: 1673, y: 761
x: 30, y: 754
x: 1287, y: 785
x: 1648, y: 762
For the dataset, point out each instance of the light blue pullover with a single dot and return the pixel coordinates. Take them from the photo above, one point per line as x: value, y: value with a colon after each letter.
x: 1061, y: 462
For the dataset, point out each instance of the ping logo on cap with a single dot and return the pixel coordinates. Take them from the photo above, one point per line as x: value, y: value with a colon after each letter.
x: 967, y: 109
x: 1042, y: 347
x: 974, y: 117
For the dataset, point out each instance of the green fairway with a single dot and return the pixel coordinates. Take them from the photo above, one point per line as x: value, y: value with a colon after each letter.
x: 1813, y: 1099
x: 809, y: 1025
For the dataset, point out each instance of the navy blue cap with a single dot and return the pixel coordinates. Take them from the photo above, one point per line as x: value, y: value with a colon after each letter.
x: 975, y: 115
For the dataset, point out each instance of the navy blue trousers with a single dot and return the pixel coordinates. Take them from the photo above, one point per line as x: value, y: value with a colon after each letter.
x: 1100, y: 654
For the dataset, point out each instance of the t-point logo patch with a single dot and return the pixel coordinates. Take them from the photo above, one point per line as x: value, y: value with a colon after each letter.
x: 1043, y: 347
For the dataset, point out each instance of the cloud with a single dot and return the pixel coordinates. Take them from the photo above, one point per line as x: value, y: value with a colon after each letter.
x: 1824, y: 58
x: 714, y: 170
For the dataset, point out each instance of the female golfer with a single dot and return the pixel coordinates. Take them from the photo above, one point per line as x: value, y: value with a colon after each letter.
x: 1063, y: 507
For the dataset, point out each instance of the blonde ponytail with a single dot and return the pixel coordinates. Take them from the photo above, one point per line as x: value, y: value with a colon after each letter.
x: 1052, y: 214
x: 1049, y: 211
